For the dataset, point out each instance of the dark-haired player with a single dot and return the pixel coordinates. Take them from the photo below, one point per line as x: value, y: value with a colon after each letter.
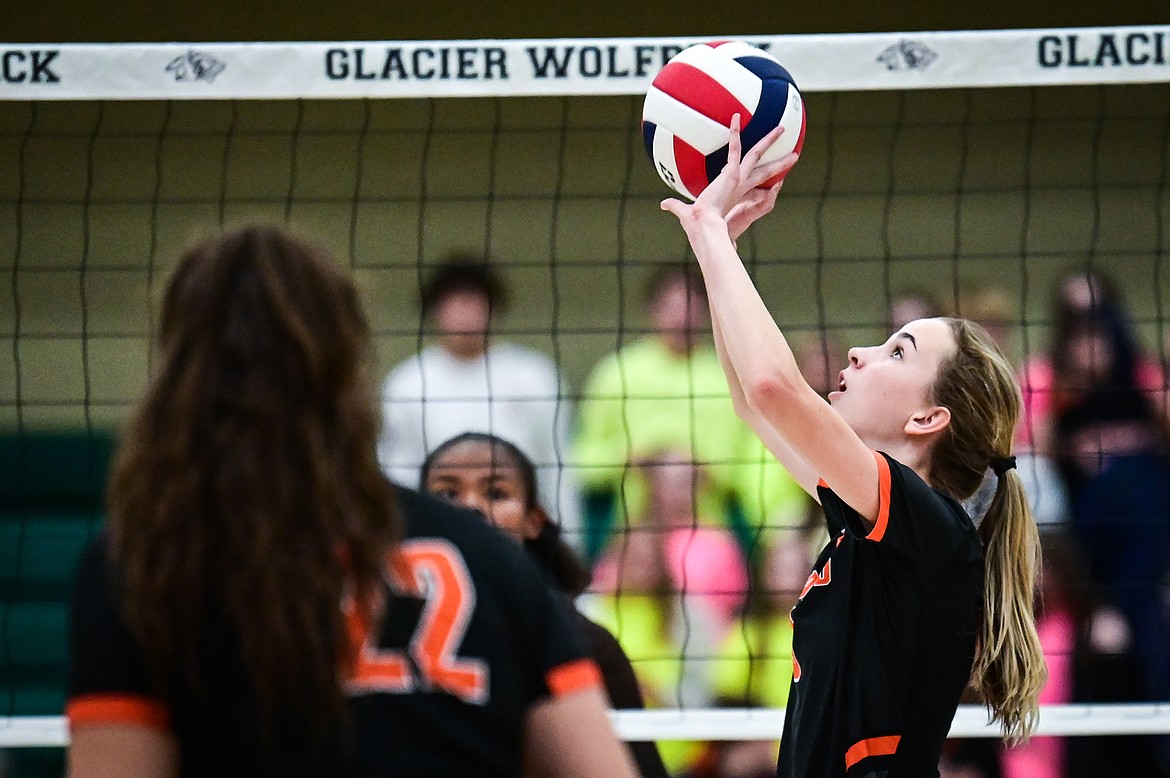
x: 265, y: 603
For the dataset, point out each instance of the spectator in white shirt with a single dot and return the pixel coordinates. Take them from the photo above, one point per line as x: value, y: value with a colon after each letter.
x: 466, y: 381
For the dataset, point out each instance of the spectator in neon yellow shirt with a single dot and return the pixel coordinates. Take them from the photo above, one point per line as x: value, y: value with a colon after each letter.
x: 754, y: 668
x: 669, y: 637
x: 755, y: 661
x: 667, y: 391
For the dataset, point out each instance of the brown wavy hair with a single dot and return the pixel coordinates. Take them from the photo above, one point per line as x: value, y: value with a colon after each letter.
x: 246, y: 498
x: 979, y: 387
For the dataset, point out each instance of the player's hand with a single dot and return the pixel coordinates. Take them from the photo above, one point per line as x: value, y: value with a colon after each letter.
x: 733, y: 195
x: 756, y: 203
x: 743, y: 173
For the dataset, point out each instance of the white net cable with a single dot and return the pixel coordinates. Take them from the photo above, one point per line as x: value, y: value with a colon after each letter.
x: 751, y: 724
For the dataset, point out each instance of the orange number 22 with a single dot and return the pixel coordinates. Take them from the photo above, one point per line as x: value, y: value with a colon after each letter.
x: 432, y: 570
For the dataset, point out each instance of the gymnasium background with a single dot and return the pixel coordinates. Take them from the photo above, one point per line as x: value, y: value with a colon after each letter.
x: 933, y: 190
x: 892, y: 190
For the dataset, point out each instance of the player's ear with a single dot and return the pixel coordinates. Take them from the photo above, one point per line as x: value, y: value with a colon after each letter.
x: 534, y: 521
x: 928, y: 420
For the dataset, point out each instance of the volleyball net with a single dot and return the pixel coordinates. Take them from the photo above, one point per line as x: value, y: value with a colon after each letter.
x: 970, y: 169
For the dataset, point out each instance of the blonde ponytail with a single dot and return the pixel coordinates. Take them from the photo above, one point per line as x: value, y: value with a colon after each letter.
x: 979, y: 387
x: 1009, y: 669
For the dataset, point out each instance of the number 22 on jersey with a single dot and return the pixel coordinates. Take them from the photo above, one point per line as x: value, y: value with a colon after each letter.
x: 431, y: 570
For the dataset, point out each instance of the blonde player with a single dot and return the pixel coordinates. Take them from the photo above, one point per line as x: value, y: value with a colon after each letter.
x: 909, y: 601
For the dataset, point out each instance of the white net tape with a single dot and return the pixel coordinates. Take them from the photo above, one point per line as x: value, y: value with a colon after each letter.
x: 749, y: 724
x: 589, y: 66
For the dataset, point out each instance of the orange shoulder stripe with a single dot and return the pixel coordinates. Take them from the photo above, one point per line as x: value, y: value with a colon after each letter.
x: 573, y: 676
x: 99, y: 709
x: 879, y: 527
x: 874, y: 746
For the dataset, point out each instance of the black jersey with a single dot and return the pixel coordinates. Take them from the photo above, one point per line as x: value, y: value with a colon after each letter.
x: 884, y: 635
x: 472, y: 638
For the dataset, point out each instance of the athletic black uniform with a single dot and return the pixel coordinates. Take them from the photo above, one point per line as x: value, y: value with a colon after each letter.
x: 473, y: 637
x: 883, y: 635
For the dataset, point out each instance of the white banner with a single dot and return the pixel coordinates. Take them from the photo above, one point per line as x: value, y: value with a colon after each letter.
x: 586, y: 66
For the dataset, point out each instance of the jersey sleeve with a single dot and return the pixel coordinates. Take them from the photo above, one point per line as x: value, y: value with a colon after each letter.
x: 560, y: 663
x: 921, y: 525
x: 914, y: 521
x: 108, y: 678
x: 621, y: 684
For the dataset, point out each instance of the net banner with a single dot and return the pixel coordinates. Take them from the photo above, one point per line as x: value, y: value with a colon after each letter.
x: 598, y: 66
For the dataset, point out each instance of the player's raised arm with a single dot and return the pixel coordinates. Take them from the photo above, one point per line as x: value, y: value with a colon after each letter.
x: 822, y: 445
x: 800, y: 470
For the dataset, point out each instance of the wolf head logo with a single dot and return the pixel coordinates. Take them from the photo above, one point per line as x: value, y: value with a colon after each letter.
x: 195, y: 66
x: 907, y: 55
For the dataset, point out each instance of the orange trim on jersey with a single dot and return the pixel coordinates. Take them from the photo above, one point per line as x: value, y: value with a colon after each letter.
x: 357, y: 633
x: 98, y: 709
x: 822, y: 483
x: 573, y: 677
x: 874, y: 746
x: 879, y: 527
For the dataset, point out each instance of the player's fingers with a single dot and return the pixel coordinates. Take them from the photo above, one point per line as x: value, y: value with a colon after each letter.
x: 776, y: 167
x: 758, y: 202
x: 762, y: 173
x: 734, y: 144
x: 758, y: 196
x: 673, y: 205
x: 757, y: 151
x: 767, y: 199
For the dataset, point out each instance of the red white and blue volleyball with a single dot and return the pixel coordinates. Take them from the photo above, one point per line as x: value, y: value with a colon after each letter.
x: 687, y: 115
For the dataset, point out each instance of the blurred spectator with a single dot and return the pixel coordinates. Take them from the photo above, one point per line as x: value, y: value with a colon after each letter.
x: 911, y: 305
x: 467, y: 381
x: 704, y: 562
x: 1121, y: 516
x: 994, y: 309
x: 667, y: 391
x: 821, y: 358
x: 1093, y: 345
x: 669, y: 638
x: 1093, y: 406
x: 755, y: 662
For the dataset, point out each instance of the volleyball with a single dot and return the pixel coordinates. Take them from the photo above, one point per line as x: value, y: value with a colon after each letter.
x: 689, y: 106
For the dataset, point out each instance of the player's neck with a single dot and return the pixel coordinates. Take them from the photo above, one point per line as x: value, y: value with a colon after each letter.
x: 911, y: 453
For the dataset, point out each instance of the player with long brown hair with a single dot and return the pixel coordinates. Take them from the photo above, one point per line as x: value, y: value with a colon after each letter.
x: 266, y: 603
